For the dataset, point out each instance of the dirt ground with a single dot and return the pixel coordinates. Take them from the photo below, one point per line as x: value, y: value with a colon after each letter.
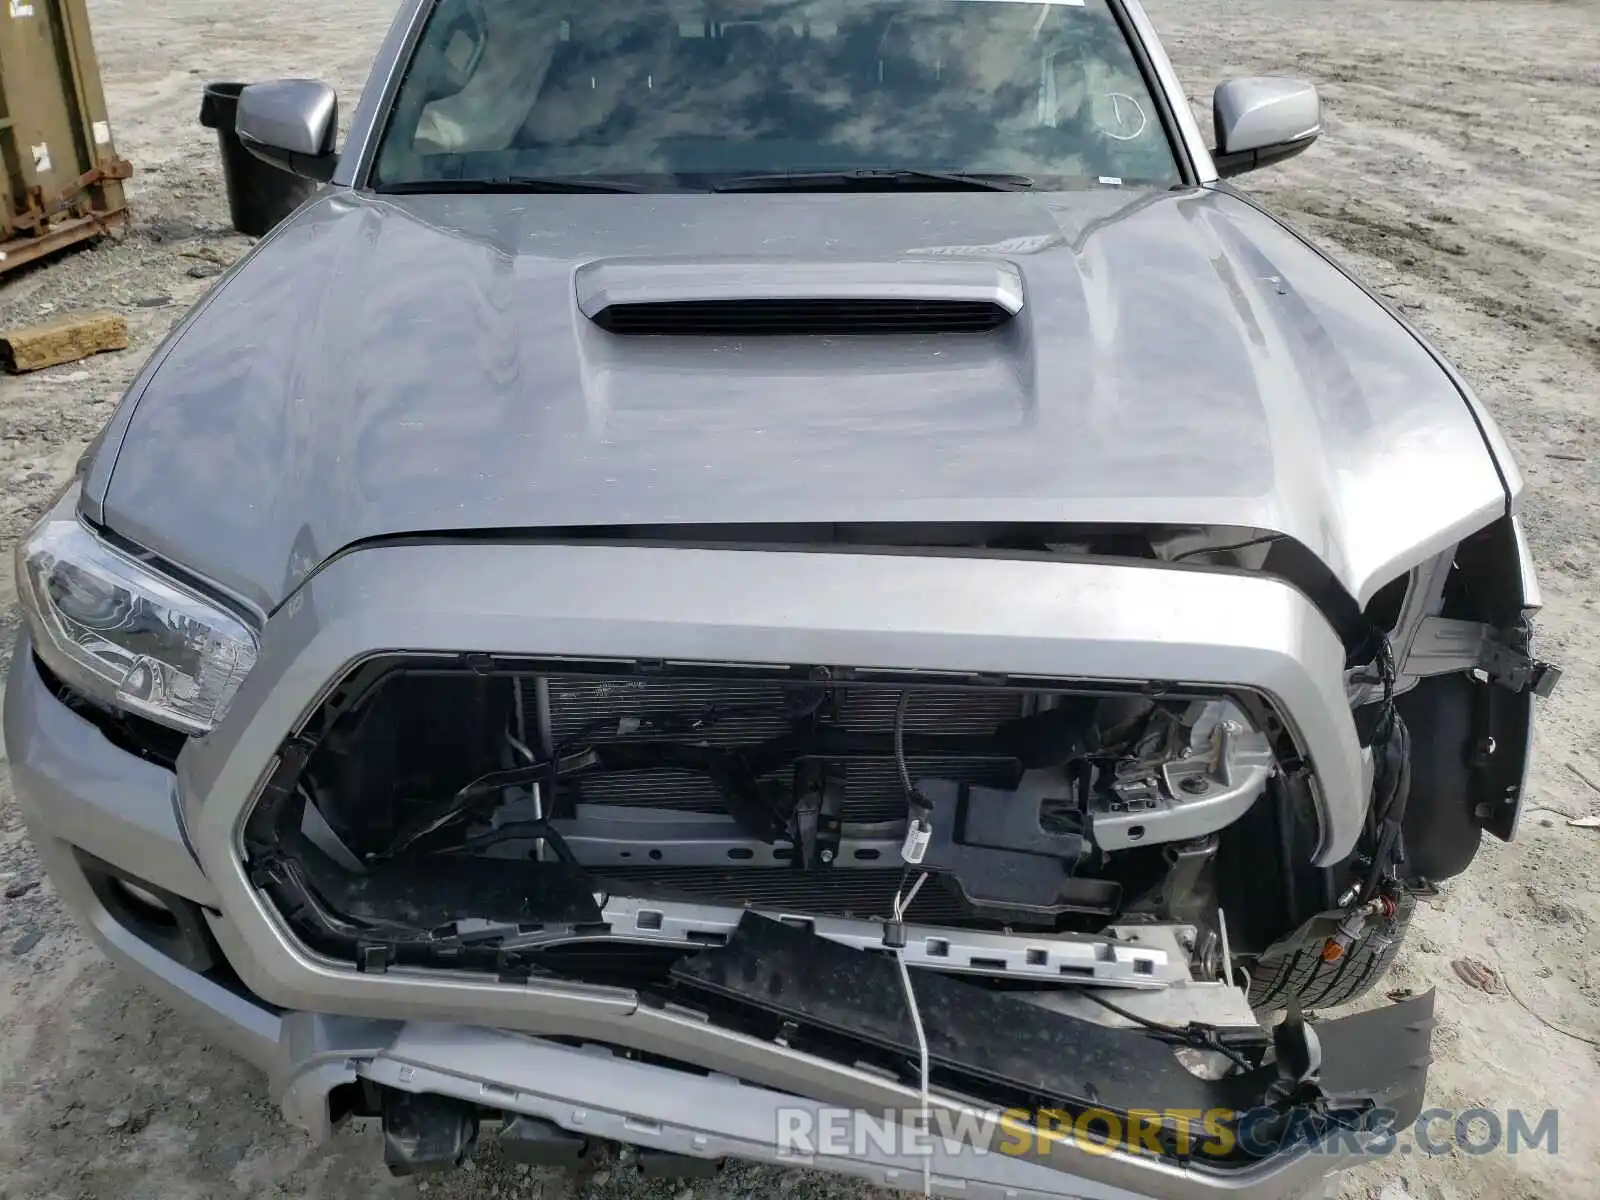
x: 1458, y: 175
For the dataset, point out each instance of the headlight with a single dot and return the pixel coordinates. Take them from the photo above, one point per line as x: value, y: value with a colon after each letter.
x: 123, y: 634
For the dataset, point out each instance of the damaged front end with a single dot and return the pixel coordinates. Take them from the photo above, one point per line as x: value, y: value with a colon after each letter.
x: 1012, y: 893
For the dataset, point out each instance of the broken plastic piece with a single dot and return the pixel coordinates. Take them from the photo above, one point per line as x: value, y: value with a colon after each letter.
x: 1299, y: 1055
x: 540, y: 1143
x: 661, y: 1164
x: 994, y: 843
x: 424, y: 1133
x: 372, y: 959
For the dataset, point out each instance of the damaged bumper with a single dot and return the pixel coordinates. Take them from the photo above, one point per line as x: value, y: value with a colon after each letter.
x: 321, y: 1024
x: 594, y: 1093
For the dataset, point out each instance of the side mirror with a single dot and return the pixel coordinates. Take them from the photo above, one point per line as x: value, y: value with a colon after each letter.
x: 292, y: 124
x: 1263, y: 120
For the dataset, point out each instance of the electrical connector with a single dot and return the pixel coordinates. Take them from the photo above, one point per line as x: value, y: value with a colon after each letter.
x: 1354, y: 923
x: 1344, y: 937
x: 919, y: 833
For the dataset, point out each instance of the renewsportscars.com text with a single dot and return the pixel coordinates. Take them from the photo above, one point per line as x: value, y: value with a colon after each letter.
x: 1217, y: 1133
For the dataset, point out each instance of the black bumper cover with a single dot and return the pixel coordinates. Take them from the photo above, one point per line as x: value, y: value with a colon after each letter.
x: 774, y: 979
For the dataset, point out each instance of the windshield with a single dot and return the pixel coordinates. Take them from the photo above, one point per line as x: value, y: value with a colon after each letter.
x: 684, y: 95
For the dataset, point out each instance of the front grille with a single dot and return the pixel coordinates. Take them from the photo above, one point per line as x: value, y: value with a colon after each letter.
x: 590, y: 709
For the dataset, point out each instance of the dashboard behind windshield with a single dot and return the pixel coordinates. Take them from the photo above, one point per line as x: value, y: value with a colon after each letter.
x: 682, y: 94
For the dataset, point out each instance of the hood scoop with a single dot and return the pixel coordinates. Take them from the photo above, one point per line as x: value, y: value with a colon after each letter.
x: 719, y: 298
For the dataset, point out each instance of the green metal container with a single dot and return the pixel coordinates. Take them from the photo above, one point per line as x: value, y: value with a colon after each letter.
x: 62, y: 177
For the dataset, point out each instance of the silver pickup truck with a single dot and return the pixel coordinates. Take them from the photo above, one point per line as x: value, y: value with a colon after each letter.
x: 749, y: 572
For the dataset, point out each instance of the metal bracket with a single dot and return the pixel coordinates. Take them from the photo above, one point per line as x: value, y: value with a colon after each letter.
x: 71, y: 200
x: 1444, y: 645
x: 1138, y: 957
x: 1511, y: 667
x: 601, y: 835
x: 814, y: 829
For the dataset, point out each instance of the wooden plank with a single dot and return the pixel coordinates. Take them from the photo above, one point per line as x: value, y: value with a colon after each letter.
x: 63, y: 341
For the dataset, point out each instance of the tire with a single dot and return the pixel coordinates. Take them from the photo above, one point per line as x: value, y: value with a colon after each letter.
x: 1301, y: 973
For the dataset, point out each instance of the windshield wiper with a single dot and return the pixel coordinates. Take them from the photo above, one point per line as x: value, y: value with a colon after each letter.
x: 885, y: 179
x: 530, y: 184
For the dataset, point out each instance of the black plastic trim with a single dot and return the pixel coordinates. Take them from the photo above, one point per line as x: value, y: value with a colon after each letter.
x: 180, y: 932
x: 1238, y: 162
x: 129, y: 732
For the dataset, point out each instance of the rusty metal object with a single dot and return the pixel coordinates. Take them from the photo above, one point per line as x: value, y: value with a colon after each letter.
x: 59, y: 236
x: 62, y: 178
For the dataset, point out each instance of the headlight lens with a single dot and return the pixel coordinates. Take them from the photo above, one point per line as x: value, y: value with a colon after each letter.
x: 125, y: 635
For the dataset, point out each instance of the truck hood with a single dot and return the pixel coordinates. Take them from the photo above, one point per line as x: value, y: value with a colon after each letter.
x: 385, y: 366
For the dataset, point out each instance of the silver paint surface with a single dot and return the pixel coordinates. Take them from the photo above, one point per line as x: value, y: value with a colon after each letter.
x: 386, y: 366
x: 1254, y: 113
x: 300, y: 116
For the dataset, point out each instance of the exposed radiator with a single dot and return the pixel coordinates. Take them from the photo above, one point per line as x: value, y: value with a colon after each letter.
x: 590, y: 709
